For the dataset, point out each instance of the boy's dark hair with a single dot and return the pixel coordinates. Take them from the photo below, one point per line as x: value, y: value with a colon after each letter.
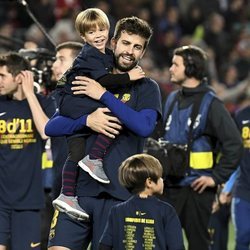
x: 14, y: 62
x: 135, y: 170
x: 133, y: 25
x: 195, y: 61
x: 75, y: 47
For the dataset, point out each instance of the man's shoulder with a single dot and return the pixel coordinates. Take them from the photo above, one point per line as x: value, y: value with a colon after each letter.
x: 148, y: 82
x: 45, y: 98
x: 242, y: 111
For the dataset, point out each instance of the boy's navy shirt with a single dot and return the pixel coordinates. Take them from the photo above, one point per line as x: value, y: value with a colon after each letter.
x: 21, y: 148
x: 143, y: 223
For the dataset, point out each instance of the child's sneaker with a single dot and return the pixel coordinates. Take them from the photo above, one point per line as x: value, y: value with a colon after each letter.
x: 94, y: 168
x: 70, y: 206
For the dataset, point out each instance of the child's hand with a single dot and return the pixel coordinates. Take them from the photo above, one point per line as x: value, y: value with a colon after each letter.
x: 136, y: 73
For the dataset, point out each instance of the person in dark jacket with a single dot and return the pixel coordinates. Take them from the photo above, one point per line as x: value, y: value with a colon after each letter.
x: 198, y: 124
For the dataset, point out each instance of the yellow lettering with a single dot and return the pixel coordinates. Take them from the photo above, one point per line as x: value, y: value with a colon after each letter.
x: 54, y: 219
x: 245, y: 133
x: 12, y: 126
x: 29, y: 126
x: 2, y: 126
x: 25, y: 126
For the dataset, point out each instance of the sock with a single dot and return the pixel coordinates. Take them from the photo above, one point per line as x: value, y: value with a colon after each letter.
x: 100, y: 147
x: 69, y: 176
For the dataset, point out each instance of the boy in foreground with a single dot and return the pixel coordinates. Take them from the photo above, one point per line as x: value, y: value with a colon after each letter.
x: 143, y: 221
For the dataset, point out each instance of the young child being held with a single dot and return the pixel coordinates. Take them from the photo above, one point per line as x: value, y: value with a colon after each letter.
x: 94, y: 61
x: 143, y: 221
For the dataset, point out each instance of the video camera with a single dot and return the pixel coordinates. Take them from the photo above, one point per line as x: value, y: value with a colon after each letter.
x: 41, y: 60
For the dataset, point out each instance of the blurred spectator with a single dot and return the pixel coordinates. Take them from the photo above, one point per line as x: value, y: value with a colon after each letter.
x: 235, y: 15
x: 243, y: 51
x: 39, y: 8
x: 64, y: 7
x: 64, y: 31
x: 216, y: 38
x: 35, y: 35
x: 164, y: 50
x: 192, y: 19
x: 208, y: 7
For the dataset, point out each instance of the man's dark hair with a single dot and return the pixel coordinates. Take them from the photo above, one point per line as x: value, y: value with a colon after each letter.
x: 195, y: 61
x: 75, y: 47
x: 133, y: 25
x: 14, y: 62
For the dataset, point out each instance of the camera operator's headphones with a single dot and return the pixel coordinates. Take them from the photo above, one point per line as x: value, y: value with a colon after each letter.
x: 190, y: 68
x: 194, y: 61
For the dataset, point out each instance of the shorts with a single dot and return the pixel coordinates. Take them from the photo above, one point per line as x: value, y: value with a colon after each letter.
x: 20, y: 228
x: 77, y: 235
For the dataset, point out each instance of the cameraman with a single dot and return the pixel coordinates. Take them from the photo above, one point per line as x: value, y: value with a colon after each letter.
x: 192, y: 192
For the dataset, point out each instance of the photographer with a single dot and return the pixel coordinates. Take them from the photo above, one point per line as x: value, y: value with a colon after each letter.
x: 196, y: 123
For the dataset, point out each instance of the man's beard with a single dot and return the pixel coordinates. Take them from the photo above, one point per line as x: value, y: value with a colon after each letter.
x: 124, y: 68
x: 179, y: 81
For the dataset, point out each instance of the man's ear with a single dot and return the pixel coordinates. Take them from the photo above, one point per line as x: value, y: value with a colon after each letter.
x: 143, y: 53
x: 113, y: 43
x: 18, y: 78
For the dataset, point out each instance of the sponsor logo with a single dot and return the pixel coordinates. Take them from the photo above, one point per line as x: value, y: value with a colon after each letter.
x: 245, y: 121
x: 139, y: 213
x: 125, y: 98
x: 33, y: 245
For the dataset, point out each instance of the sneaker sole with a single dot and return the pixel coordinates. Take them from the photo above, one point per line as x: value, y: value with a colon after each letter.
x: 87, y: 169
x: 65, y: 208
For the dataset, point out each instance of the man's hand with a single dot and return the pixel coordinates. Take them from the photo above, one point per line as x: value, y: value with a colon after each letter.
x: 39, y: 117
x: 202, y: 182
x: 100, y: 122
x: 88, y: 87
x: 27, y: 82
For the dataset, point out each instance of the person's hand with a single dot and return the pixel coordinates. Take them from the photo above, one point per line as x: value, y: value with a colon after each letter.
x: 27, y: 80
x: 136, y: 73
x: 100, y: 122
x: 88, y: 87
x: 225, y: 198
x: 215, y: 206
x: 202, y: 182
